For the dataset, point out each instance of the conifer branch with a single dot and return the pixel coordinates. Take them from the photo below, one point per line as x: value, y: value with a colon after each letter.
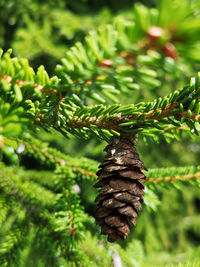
x: 43, y: 211
x: 114, y: 123
x: 185, y: 177
x: 153, y: 176
x: 173, y: 174
x: 51, y: 155
x: 9, y: 79
x: 179, y: 107
x: 11, y: 189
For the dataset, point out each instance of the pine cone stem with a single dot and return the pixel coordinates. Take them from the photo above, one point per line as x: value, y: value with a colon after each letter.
x: 121, y: 188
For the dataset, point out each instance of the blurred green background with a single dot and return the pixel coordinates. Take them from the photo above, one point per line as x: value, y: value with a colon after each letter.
x: 42, y: 31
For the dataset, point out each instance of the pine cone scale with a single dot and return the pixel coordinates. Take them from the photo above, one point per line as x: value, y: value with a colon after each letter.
x: 132, y: 174
x: 128, y: 211
x: 102, y: 212
x: 114, y: 221
x: 125, y: 185
x: 126, y: 197
x: 114, y: 167
x: 125, y: 230
x: 112, y: 203
x: 113, y: 237
x: 107, y: 189
x: 105, y: 229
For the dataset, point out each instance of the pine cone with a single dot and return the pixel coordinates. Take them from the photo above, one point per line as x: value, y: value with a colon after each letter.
x: 121, y: 188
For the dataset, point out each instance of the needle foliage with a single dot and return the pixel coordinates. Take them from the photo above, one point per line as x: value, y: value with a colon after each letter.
x: 72, y: 76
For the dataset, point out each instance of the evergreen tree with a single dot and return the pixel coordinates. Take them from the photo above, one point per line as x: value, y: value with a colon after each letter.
x: 127, y: 84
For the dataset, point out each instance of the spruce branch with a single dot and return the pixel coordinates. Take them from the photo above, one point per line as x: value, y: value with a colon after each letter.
x: 53, y: 156
x: 13, y: 231
x: 173, y: 174
x: 50, y: 212
x: 23, y: 83
x: 179, y: 108
x: 186, y: 177
x: 9, y: 79
x: 11, y: 189
x: 153, y: 176
x: 115, y: 123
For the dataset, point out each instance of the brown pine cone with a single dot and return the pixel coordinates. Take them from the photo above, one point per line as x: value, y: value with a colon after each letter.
x: 121, y: 188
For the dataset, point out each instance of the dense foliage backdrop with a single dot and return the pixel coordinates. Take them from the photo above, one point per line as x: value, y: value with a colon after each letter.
x: 168, y: 232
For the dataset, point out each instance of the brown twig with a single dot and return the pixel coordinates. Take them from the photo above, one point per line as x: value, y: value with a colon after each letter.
x: 8, y: 79
x: 114, y: 123
x: 175, y: 178
x: 54, y: 158
x: 192, y: 117
x: 72, y: 229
